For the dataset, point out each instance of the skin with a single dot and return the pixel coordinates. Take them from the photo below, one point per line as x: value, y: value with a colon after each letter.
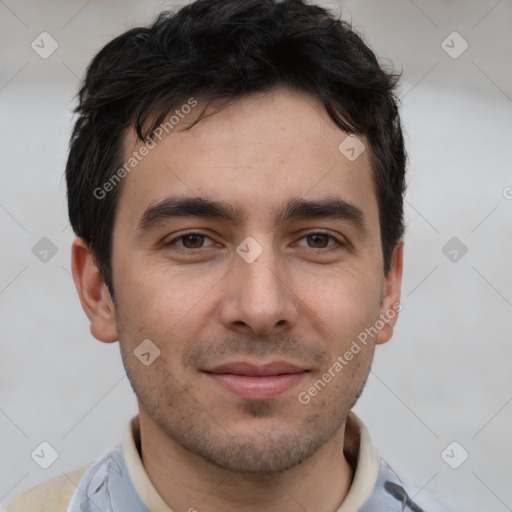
x: 302, y: 300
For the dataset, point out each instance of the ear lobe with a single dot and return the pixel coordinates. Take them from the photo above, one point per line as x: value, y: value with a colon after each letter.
x: 390, y: 302
x: 93, y: 293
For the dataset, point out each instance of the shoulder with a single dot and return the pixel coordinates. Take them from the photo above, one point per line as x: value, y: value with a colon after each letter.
x: 51, y: 496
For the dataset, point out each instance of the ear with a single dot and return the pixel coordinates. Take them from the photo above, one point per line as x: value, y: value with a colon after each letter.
x: 390, y: 303
x: 93, y: 293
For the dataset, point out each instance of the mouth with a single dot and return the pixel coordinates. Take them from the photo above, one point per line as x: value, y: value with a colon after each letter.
x: 256, y: 382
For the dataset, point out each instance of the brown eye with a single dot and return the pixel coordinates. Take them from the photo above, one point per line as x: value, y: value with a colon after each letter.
x: 193, y: 241
x: 320, y: 241
x: 189, y: 241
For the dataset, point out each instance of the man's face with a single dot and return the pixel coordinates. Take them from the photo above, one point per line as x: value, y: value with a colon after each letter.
x: 249, y: 312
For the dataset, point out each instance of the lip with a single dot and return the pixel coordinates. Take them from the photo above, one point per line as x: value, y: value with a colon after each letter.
x: 257, y: 382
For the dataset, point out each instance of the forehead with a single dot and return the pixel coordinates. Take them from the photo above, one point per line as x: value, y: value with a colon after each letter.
x: 256, y: 153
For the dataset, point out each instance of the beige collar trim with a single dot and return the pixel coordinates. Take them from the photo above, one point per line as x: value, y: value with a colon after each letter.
x: 357, y: 443
x: 140, y: 479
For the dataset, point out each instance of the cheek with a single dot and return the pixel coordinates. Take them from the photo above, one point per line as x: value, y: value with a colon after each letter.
x: 161, y: 306
x: 151, y: 293
x: 345, y: 302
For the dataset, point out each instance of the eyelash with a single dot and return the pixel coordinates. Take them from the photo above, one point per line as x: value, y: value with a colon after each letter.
x: 189, y: 233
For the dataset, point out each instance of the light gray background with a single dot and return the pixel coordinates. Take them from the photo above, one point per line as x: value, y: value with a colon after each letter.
x: 444, y: 377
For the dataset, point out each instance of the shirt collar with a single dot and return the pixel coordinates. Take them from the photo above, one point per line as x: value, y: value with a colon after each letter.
x: 357, y: 447
x: 140, y: 479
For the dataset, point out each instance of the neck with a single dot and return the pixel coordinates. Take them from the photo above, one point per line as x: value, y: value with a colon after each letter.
x: 185, y: 481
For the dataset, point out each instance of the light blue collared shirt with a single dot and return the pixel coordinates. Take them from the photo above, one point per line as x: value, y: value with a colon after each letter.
x: 113, y: 484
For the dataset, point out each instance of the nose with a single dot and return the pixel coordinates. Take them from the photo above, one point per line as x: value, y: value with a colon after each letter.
x: 259, y: 297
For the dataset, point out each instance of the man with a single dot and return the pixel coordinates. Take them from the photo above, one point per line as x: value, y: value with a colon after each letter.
x: 268, y: 132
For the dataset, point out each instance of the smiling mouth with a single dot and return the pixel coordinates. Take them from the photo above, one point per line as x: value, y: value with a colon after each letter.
x: 257, y: 382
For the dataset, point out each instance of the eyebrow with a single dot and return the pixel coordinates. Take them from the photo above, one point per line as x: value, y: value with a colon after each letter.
x: 295, y: 208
